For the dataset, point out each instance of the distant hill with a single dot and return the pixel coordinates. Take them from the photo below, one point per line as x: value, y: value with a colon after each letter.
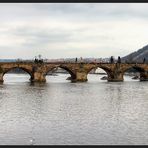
x: 137, y: 56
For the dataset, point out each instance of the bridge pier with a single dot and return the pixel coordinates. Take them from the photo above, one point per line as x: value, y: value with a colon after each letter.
x: 116, y: 77
x: 38, y: 77
x: 115, y: 80
x: 143, y: 76
x: 80, y: 77
x: 1, y: 77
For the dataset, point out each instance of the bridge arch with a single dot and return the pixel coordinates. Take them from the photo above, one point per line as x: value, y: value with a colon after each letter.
x: 5, y: 71
x: 104, y: 68
x: 137, y: 70
x: 72, y: 74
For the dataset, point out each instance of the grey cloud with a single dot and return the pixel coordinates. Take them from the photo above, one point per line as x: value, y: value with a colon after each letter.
x: 34, y: 37
x: 73, y: 12
x: 95, y: 10
x: 41, y: 36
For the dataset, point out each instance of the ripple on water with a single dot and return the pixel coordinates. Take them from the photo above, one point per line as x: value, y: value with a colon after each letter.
x: 60, y: 112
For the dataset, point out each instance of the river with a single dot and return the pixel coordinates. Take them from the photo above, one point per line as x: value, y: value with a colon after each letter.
x: 59, y: 112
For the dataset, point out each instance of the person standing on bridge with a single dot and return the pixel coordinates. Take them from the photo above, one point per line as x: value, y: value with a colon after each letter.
x: 143, y: 60
x: 76, y: 60
x: 111, y: 59
x: 119, y: 59
x: 36, y: 60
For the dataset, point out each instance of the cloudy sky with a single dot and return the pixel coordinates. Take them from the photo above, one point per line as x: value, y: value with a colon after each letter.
x: 69, y: 30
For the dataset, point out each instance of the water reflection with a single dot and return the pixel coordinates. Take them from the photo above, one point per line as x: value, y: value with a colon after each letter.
x: 60, y: 112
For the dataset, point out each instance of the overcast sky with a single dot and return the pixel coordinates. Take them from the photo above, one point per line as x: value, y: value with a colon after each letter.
x: 60, y: 30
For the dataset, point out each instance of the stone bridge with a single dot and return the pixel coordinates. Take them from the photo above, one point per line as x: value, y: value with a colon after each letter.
x: 78, y: 71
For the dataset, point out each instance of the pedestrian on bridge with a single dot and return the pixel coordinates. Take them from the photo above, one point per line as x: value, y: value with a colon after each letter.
x: 111, y: 59
x: 76, y: 60
x: 36, y: 60
x: 119, y: 59
x: 143, y: 60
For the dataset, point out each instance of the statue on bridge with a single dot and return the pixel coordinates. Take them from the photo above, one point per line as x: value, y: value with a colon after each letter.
x: 76, y: 60
x: 111, y: 59
x: 143, y: 60
x: 119, y: 59
x: 38, y: 61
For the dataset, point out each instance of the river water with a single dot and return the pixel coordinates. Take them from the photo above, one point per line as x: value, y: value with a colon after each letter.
x: 60, y: 112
